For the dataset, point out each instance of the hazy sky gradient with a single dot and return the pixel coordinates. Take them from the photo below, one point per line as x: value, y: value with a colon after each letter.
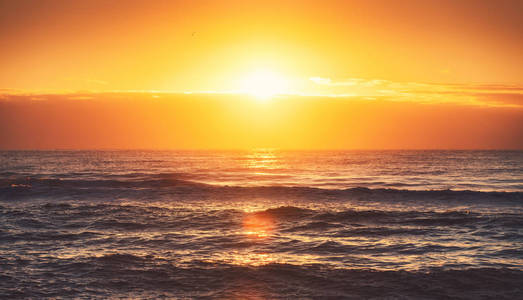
x: 206, y: 45
x: 358, y: 74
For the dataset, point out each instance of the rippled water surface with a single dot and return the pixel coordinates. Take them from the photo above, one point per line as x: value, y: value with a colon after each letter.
x: 261, y: 224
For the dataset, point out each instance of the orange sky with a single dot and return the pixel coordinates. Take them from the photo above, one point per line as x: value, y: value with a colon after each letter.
x: 391, y: 67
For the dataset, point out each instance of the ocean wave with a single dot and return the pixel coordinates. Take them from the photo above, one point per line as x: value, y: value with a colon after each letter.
x: 177, y: 184
x: 126, y: 275
x: 134, y: 216
x: 47, y: 236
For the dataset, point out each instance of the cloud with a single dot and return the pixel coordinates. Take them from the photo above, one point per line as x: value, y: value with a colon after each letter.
x: 486, y: 95
x: 469, y: 94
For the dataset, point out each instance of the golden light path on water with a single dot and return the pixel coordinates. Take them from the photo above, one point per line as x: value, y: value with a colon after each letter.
x: 257, y: 230
x: 254, y: 228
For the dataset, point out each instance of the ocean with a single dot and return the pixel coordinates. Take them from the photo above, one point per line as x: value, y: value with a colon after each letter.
x: 261, y: 224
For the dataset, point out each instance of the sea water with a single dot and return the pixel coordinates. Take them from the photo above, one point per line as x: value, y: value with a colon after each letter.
x: 261, y: 224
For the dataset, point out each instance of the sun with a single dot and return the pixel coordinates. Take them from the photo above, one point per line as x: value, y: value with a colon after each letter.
x: 263, y: 84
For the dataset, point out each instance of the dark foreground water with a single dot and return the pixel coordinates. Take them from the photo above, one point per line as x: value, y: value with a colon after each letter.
x: 261, y: 224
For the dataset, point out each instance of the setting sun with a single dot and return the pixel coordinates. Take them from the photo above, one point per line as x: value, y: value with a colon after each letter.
x: 264, y: 84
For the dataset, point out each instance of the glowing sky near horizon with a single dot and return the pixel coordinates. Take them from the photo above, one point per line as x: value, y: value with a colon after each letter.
x: 463, y: 54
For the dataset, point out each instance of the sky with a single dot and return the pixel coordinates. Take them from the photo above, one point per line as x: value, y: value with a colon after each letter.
x: 406, y: 74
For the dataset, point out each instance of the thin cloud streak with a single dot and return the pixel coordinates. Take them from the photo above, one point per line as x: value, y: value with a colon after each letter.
x: 486, y: 95
x: 498, y: 95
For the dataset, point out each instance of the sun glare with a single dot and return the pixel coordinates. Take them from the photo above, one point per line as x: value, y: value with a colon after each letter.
x: 263, y: 84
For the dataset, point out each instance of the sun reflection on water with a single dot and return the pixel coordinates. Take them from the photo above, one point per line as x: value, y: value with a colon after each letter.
x: 262, y: 159
x: 258, y: 225
x: 253, y: 259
